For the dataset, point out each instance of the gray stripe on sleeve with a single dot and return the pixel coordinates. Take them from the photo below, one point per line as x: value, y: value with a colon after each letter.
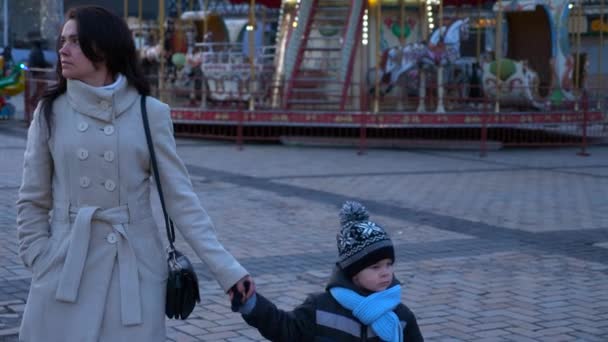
x: 338, y: 322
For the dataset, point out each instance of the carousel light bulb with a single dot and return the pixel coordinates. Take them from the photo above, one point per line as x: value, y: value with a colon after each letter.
x: 364, y: 42
x: 295, y: 24
x: 365, y: 36
x: 249, y: 27
x: 570, y: 6
x: 429, y: 8
x: 431, y: 26
x: 431, y: 19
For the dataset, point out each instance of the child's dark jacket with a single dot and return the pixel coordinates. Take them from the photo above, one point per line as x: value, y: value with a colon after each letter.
x: 322, y: 319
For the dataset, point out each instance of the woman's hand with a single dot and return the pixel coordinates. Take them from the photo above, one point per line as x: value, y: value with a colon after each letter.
x: 245, y: 287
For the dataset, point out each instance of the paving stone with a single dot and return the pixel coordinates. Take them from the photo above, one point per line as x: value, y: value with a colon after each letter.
x: 510, y: 247
x: 218, y: 336
x: 180, y: 337
x: 9, y: 332
x: 191, y: 329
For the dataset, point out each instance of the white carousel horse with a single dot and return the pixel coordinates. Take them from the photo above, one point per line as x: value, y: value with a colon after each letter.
x: 151, y: 53
x: 147, y: 52
x: 442, y: 50
x: 517, y: 83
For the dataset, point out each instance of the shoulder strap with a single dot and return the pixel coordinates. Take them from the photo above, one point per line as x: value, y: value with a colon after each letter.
x: 168, y: 221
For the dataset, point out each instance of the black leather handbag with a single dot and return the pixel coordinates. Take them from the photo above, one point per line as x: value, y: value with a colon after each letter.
x: 182, y: 284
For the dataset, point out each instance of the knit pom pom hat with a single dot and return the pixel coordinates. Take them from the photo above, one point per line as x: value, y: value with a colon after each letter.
x: 361, y: 242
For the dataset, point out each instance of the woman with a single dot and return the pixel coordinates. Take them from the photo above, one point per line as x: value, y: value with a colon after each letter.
x: 84, y: 217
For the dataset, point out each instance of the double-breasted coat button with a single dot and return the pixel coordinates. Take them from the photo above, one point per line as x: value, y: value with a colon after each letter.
x: 104, y: 104
x: 83, y: 126
x: 82, y: 154
x: 108, y: 156
x: 108, y: 130
x: 85, y: 181
x: 111, y: 238
x: 109, y: 185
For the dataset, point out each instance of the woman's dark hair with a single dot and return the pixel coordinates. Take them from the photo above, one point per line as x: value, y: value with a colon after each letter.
x: 104, y: 38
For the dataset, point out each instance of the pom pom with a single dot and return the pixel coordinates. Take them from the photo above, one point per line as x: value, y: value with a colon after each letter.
x: 351, y: 213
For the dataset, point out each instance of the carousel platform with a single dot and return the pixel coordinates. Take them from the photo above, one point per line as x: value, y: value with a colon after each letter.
x: 393, y: 129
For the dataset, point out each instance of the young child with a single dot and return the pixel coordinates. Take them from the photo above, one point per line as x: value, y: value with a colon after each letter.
x: 362, y: 301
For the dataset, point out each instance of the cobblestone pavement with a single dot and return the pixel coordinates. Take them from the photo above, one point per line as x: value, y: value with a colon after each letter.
x: 511, y: 247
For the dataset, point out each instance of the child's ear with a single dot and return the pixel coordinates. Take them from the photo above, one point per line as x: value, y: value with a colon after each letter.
x: 355, y: 279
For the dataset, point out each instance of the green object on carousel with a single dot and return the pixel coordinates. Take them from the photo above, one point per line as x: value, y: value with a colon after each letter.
x: 557, y: 96
x: 507, y: 68
x: 178, y: 59
x: 396, y: 29
x: 12, y: 78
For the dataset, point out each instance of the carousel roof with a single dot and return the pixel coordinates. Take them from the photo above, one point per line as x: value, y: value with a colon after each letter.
x: 267, y: 3
x: 466, y: 2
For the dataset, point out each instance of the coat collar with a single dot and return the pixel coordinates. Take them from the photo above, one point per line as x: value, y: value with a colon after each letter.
x: 99, y: 102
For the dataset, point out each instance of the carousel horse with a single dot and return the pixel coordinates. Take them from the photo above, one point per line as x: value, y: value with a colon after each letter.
x: 514, y: 82
x: 419, y: 58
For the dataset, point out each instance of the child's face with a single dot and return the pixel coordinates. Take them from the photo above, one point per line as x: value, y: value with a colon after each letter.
x: 376, y: 277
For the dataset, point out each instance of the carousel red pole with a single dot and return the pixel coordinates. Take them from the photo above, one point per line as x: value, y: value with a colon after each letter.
x: 161, y: 35
x: 363, y: 134
x: 478, y: 47
x: 239, y: 130
x: 583, y: 152
x: 204, y: 89
x: 577, y: 62
x: 498, y: 55
x: 375, y: 4
x: 484, y: 128
x: 251, y: 29
x: 599, y: 90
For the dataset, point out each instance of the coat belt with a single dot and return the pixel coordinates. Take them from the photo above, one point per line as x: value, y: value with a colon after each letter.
x: 71, y: 274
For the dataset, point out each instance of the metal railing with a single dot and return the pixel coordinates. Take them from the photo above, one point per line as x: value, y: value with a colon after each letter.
x: 469, y: 121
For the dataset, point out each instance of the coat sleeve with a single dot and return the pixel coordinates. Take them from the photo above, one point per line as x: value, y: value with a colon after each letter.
x: 34, y: 199
x: 411, y: 332
x: 183, y: 205
x: 278, y: 325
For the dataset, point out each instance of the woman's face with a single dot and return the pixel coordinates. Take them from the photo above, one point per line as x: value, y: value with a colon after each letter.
x: 74, y: 64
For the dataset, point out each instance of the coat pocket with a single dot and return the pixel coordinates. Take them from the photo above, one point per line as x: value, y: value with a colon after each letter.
x: 41, y: 259
x: 45, y: 258
x: 56, y: 247
x: 150, y: 254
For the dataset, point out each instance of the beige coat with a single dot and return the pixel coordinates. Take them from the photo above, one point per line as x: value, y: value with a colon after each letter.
x: 85, y: 225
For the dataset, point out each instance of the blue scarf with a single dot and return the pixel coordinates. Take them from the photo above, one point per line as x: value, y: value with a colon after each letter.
x: 375, y: 310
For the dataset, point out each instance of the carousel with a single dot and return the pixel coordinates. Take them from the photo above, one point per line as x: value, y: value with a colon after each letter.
x: 265, y: 69
x: 208, y: 53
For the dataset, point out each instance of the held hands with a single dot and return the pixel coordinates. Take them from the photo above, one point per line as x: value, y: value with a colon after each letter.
x: 241, y: 291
